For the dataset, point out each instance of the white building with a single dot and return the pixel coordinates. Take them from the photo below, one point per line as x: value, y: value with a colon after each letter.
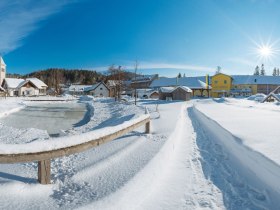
x: 2, y: 70
x: 21, y: 87
x: 77, y: 89
x: 98, y: 89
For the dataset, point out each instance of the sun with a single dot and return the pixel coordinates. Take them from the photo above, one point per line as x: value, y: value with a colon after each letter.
x: 265, y: 51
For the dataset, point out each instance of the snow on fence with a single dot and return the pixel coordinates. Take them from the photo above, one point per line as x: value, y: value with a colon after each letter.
x: 44, y: 151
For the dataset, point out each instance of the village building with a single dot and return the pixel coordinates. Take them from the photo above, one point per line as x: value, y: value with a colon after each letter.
x: 222, y: 85
x: 99, y: 90
x: 175, y: 93
x: 77, y: 89
x: 198, y: 85
x: 27, y: 87
x: 143, y: 81
x: 2, y: 70
x: 242, y: 85
x: 145, y: 93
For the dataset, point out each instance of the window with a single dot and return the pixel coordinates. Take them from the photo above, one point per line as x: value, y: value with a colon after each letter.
x: 3, y: 70
x: 225, y: 82
x: 101, y: 88
x: 255, y: 80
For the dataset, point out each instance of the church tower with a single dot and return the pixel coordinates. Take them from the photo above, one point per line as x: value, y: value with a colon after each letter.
x: 2, y: 70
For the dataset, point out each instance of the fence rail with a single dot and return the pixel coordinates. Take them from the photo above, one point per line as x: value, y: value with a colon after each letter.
x: 44, y: 157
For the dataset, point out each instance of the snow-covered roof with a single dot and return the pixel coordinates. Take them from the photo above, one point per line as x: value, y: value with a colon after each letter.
x: 13, y: 82
x: 171, y: 89
x: 78, y: 88
x: 185, y: 88
x: 93, y: 87
x: 166, y: 89
x: 143, y: 90
x: 144, y: 78
x: 254, y: 79
x: 191, y: 82
x: 37, y: 82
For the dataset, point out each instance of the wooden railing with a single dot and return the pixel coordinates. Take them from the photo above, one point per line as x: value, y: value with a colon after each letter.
x: 44, y: 157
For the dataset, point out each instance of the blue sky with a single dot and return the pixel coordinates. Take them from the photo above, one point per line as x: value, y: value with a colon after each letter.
x: 165, y: 36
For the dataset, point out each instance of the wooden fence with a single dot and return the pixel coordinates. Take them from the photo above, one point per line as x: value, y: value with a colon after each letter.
x: 44, y: 157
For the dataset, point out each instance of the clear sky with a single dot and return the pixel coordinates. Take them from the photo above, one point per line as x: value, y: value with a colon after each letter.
x: 165, y: 36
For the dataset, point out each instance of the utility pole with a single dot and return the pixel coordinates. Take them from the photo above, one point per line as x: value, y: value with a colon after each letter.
x: 135, y: 71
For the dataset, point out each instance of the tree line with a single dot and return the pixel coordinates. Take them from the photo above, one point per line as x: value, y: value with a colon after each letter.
x: 53, y: 77
x: 262, y: 72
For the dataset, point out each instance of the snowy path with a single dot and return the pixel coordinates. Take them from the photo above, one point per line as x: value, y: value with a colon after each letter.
x: 173, y: 179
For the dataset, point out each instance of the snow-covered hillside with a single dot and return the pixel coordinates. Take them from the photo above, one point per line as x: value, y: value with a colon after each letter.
x: 196, y: 157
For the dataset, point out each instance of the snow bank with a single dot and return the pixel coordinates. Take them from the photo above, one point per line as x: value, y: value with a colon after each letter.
x: 260, y: 173
x: 257, y: 97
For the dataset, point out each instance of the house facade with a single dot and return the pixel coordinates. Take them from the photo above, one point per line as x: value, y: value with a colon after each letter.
x: 221, y: 85
x: 98, y: 90
x: 27, y: 87
x: 181, y: 93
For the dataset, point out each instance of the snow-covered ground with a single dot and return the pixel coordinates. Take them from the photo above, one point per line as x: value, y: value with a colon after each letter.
x: 202, y: 154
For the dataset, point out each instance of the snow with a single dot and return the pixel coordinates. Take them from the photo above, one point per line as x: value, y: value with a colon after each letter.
x: 191, y: 82
x: 37, y: 82
x: 248, y: 132
x: 257, y: 97
x: 13, y: 82
x: 200, y: 154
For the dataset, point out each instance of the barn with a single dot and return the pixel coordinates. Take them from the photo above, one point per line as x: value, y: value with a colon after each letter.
x: 181, y: 93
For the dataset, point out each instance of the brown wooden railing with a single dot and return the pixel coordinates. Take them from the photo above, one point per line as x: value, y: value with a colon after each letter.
x: 44, y: 157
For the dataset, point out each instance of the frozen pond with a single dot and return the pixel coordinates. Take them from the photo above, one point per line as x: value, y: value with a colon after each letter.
x: 52, y: 117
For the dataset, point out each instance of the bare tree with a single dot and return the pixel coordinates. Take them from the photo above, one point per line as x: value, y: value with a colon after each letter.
x: 117, y: 74
x: 135, y: 72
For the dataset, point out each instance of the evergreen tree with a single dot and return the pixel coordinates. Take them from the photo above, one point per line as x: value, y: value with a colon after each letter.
x: 184, y: 75
x: 179, y: 75
x: 218, y: 71
x: 274, y: 73
x: 257, y: 70
x: 262, y: 70
x: 277, y: 72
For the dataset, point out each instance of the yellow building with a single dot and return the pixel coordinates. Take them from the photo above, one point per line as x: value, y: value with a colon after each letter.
x: 221, y: 85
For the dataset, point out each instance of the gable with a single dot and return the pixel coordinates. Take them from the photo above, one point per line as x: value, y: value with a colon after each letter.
x: 28, y: 84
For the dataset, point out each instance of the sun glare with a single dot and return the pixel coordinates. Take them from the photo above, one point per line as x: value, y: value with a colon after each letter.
x: 265, y: 51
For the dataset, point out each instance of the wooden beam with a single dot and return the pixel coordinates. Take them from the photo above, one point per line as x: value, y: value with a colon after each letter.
x: 44, y: 172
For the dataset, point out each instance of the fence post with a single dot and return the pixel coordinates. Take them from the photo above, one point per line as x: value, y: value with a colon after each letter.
x: 148, y: 127
x: 44, y: 171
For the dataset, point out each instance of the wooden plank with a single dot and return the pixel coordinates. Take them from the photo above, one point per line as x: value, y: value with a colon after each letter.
x: 47, y: 155
x: 44, y: 172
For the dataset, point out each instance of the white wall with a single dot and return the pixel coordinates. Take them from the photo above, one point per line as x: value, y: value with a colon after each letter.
x: 101, y: 90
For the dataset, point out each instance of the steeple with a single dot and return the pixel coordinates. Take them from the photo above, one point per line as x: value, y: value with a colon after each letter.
x: 2, y: 70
